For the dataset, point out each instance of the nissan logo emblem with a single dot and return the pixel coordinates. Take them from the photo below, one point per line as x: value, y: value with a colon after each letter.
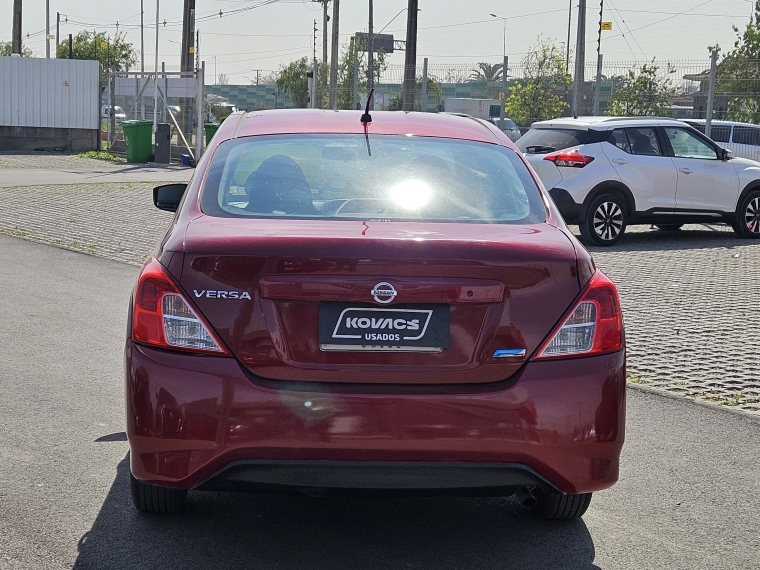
x: 384, y: 292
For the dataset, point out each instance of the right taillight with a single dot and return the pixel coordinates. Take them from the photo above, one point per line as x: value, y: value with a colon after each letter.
x: 569, y: 158
x: 162, y: 317
x: 593, y: 327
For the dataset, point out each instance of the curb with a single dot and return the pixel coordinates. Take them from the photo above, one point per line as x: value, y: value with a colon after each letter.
x: 752, y: 418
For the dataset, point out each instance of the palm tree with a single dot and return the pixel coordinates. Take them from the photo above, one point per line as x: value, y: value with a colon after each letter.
x: 486, y: 72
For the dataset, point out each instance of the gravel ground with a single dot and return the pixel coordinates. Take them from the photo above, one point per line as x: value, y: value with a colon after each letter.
x: 690, y: 298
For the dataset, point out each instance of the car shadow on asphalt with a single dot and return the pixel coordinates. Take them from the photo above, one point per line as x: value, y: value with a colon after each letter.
x: 692, y: 237
x: 231, y: 531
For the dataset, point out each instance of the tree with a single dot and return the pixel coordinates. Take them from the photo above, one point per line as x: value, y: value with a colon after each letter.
x: 6, y: 48
x: 738, y: 74
x: 223, y: 79
x: 644, y: 93
x: 487, y: 72
x: 434, y: 87
x: 534, y: 97
x: 353, y: 54
x: 113, y: 52
x: 292, y: 81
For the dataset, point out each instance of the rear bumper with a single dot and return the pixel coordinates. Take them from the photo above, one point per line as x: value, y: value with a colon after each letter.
x: 203, y: 421
x: 497, y: 479
x: 569, y: 208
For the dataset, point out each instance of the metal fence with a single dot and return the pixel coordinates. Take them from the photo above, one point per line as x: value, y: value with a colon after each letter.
x: 680, y: 89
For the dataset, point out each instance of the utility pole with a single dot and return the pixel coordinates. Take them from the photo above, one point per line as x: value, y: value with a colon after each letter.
x: 188, y: 31
x: 47, y: 29
x: 711, y: 92
x: 155, y: 76
x: 16, y: 39
x: 410, y: 67
x: 598, y: 83
x: 370, y: 54
x: 325, y: 19
x: 197, y: 50
x: 580, y: 60
x: 334, y: 56
x: 57, y: 32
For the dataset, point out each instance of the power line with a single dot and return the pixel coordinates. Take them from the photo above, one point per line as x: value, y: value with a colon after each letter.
x: 629, y: 31
x: 664, y: 19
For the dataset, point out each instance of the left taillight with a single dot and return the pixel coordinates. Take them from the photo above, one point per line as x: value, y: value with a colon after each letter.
x: 162, y: 316
x: 593, y: 327
x: 571, y: 158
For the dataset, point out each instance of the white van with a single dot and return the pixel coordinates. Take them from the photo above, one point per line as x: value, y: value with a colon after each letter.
x: 742, y: 139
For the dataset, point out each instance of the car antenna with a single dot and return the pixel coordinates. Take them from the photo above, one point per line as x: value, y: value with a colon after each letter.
x: 366, y: 119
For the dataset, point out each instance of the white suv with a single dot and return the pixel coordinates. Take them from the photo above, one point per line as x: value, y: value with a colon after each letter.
x: 607, y: 172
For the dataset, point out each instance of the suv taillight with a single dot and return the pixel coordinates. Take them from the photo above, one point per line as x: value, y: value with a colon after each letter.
x: 570, y: 158
x: 162, y: 316
x: 594, y: 326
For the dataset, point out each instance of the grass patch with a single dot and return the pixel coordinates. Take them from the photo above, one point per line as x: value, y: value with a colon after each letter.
x: 15, y: 232
x: 102, y: 155
x: 637, y: 380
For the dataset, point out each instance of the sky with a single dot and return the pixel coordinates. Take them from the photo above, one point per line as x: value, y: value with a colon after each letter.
x: 273, y: 32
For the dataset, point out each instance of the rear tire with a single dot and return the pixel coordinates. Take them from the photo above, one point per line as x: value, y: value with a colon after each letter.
x: 605, y: 222
x: 154, y: 499
x: 669, y: 227
x: 746, y: 221
x: 560, y: 507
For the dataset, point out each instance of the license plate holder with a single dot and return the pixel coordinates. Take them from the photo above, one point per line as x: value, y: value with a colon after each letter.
x: 353, y: 327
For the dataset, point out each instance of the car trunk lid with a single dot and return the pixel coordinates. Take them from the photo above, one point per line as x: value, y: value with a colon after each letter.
x: 269, y: 288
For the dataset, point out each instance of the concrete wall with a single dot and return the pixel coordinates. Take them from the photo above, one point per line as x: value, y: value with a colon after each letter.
x: 48, y: 138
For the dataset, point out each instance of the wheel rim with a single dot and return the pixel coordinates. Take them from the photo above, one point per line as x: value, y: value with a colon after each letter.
x: 608, y: 221
x: 752, y: 216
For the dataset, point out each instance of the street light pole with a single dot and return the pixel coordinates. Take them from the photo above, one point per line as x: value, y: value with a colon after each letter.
x: 142, y: 37
x: 567, y: 46
x: 503, y: 73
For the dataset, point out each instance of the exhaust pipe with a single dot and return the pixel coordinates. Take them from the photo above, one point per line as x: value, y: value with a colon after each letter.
x: 526, y: 498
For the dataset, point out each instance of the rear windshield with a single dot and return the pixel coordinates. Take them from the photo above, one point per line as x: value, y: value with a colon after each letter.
x: 549, y: 140
x: 405, y: 178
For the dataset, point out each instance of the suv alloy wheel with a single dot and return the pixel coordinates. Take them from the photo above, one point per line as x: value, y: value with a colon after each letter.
x: 747, y: 221
x: 605, y: 221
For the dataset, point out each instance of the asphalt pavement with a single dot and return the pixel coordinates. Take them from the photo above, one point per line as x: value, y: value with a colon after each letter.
x: 687, y: 498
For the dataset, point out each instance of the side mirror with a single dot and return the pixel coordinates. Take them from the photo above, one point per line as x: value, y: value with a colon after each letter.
x: 168, y: 196
x: 726, y: 154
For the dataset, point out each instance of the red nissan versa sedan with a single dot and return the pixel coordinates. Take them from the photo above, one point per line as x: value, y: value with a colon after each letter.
x: 377, y: 304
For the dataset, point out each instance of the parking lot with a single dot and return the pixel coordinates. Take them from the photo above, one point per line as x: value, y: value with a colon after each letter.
x: 689, y: 297
x: 685, y: 498
x: 689, y: 301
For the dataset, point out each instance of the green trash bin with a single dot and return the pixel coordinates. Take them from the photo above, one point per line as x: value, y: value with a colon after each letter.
x: 138, y: 138
x: 210, y: 129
